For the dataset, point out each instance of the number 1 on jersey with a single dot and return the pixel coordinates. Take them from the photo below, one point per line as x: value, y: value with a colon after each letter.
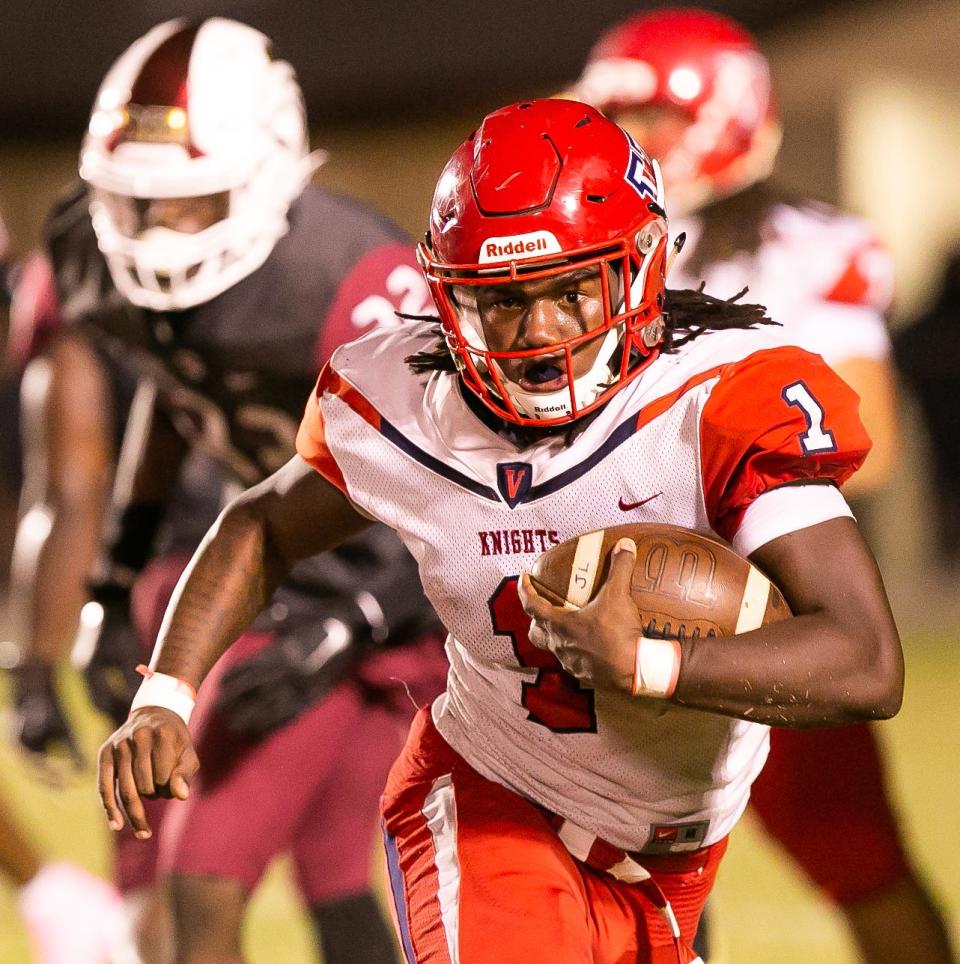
x: 555, y: 699
x: 816, y: 438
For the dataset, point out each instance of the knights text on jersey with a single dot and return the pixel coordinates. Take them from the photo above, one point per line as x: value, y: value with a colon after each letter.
x: 692, y: 442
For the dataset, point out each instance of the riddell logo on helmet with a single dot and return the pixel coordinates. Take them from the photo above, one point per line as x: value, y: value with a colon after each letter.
x: 530, y: 245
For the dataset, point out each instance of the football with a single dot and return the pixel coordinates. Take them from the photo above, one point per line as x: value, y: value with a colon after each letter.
x: 686, y: 585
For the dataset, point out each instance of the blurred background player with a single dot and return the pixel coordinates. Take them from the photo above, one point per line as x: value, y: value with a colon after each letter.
x: 201, y: 282
x: 694, y: 89
x: 72, y: 916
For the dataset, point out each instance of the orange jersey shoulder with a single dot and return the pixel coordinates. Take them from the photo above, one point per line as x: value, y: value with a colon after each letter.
x: 777, y: 417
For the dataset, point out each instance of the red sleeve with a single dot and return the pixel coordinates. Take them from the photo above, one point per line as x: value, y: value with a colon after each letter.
x: 384, y: 281
x: 34, y: 312
x: 311, y: 436
x: 776, y: 417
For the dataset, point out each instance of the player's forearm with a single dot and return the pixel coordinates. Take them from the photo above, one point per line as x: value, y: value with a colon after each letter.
x: 68, y: 456
x: 803, y: 672
x: 228, y: 582
x: 293, y: 514
x: 54, y: 551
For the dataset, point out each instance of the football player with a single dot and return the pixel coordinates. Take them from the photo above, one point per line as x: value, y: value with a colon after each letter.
x: 695, y: 89
x: 71, y: 916
x: 202, y: 280
x: 559, y: 381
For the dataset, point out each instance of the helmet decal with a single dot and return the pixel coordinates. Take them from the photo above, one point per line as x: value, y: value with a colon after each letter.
x: 523, y: 245
x: 640, y: 175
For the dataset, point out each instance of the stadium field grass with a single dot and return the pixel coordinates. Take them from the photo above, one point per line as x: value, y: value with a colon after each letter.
x: 764, y: 913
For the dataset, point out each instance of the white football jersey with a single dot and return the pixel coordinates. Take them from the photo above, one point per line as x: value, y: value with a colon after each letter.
x: 691, y: 442
x: 820, y: 273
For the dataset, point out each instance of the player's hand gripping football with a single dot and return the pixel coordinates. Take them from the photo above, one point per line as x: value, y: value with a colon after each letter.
x: 596, y: 644
x: 150, y: 755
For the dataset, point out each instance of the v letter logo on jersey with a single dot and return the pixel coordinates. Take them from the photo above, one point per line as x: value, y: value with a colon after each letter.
x: 513, y: 481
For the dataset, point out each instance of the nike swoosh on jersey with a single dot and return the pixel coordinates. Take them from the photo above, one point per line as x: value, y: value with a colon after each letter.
x: 628, y: 506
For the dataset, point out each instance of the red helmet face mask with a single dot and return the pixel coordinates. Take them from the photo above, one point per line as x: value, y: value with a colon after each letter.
x: 545, y: 257
x: 705, y: 70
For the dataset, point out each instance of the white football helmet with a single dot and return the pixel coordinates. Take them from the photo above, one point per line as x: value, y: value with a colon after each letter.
x: 200, y: 119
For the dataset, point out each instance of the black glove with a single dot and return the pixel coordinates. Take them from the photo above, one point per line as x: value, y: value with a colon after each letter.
x: 276, y: 685
x: 110, y: 673
x: 41, y: 725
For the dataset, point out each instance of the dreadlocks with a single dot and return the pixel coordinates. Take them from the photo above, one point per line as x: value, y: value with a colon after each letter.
x: 687, y: 314
x: 437, y: 358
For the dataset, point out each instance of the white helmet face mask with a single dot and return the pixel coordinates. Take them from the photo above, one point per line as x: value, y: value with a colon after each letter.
x: 235, y: 132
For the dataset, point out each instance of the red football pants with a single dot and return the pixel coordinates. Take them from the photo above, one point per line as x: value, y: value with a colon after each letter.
x: 311, y: 787
x: 479, y: 877
x: 823, y: 797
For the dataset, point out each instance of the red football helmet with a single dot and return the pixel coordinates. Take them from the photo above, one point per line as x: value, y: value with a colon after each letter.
x: 708, y: 69
x: 540, y: 190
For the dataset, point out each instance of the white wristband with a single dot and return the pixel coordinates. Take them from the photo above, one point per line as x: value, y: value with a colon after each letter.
x: 656, y: 667
x: 159, y: 689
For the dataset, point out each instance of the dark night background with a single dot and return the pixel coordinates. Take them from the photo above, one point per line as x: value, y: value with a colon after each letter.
x: 357, y: 59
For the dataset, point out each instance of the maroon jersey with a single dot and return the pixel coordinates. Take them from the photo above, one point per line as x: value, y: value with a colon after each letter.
x: 234, y: 372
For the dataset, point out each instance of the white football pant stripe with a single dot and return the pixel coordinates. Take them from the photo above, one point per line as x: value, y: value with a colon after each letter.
x: 440, y: 812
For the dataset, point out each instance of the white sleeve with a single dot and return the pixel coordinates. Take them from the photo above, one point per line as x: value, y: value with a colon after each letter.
x: 787, y: 509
